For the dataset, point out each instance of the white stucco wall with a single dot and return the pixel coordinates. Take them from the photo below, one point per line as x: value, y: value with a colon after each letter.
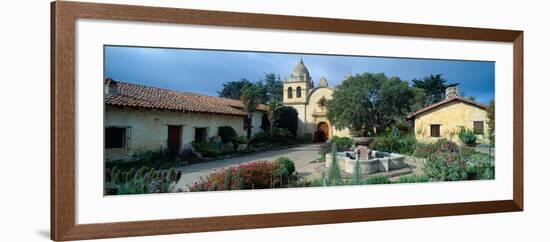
x: 256, y: 123
x: 317, y: 114
x: 301, y: 109
x: 149, y: 128
x: 310, y: 114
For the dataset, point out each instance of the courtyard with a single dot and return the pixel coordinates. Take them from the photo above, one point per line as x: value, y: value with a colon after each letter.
x: 302, y: 155
x: 306, y: 159
x: 298, y: 131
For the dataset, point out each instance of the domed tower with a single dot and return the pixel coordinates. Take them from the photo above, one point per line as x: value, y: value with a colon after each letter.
x: 297, y: 86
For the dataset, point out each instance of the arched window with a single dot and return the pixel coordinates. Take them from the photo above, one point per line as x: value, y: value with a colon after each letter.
x: 298, y: 92
x: 289, y: 92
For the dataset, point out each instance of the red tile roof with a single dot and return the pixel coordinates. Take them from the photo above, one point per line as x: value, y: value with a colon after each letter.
x: 448, y: 100
x: 140, y: 96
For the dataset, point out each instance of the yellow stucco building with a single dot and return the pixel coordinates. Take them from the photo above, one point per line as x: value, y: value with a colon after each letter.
x: 310, y: 102
x: 445, y: 119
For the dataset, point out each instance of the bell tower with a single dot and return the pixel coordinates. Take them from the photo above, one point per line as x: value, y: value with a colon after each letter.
x: 297, y: 86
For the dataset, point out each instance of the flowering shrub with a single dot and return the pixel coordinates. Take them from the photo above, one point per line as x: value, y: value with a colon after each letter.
x: 441, y: 168
x: 254, y: 175
x: 425, y: 150
x: 445, y: 163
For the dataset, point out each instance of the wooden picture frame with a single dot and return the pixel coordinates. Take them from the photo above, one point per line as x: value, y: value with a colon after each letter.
x: 63, y: 18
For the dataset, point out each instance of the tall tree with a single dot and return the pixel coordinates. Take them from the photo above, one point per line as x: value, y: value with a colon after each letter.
x: 251, y: 97
x: 369, y: 103
x: 272, y: 107
x: 273, y: 87
x: 233, y: 89
x: 286, y: 117
x: 419, y: 98
x: 434, y: 87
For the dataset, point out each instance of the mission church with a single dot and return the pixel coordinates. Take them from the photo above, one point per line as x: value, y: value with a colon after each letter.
x: 310, y: 101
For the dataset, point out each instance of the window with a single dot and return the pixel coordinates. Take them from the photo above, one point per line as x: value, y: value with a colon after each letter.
x: 478, y: 127
x: 200, y: 134
x: 289, y: 92
x: 117, y: 137
x: 298, y: 92
x: 435, y: 130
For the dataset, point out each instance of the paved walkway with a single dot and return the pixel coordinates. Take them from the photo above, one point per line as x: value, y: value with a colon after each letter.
x: 301, y: 155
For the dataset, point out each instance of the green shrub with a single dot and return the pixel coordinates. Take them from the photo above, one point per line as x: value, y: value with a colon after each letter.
x: 481, y: 171
x: 307, y: 138
x: 206, y: 149
x: 141, y: 181
x: 445, y: 167
x: 278, y: 136
x: 425, y: 150
x: 378, y: 179
x: 488, y: 173
x: 152, y: 156
x: 158, y: 159
x: 466, y: 151
x: 469, y: 155
x: 342, y: 143
x: 395, y: 144
x: 286, y: 163
x: 240, y: 140
x: 227, y: 133
x: 334, y: 177
x: 444, y: 162
x: 413, y: 179
x: 467, y: 136
x: 356, y: 176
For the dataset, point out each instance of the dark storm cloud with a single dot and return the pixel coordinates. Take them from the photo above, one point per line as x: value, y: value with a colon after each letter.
x: 204, y: 71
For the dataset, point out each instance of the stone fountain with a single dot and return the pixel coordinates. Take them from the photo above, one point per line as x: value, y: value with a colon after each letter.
x: 370, y: 161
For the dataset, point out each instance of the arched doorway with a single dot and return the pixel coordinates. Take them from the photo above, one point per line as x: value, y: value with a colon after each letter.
x: 321, y: 135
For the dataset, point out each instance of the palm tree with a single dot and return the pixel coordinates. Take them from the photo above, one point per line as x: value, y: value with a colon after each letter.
x: 272, y: 107
x: 251, y: 97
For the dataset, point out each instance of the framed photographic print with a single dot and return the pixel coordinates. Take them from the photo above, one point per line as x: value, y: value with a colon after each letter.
x: 172, y: 120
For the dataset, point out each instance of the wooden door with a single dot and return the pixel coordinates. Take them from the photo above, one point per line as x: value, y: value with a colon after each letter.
x: 322, y: 132
x: 174, y: 139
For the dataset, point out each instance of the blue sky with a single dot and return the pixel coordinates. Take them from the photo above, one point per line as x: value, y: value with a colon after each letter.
x: 205, y: 71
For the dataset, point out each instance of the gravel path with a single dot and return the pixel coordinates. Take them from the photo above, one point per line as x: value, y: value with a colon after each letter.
x: 301, y: 155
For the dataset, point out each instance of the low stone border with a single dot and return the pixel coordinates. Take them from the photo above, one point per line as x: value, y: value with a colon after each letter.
x: 209, y: 159
x: 390, y: 174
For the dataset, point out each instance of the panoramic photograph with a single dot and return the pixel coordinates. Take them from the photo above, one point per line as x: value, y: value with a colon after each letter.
x: 196, y: 120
